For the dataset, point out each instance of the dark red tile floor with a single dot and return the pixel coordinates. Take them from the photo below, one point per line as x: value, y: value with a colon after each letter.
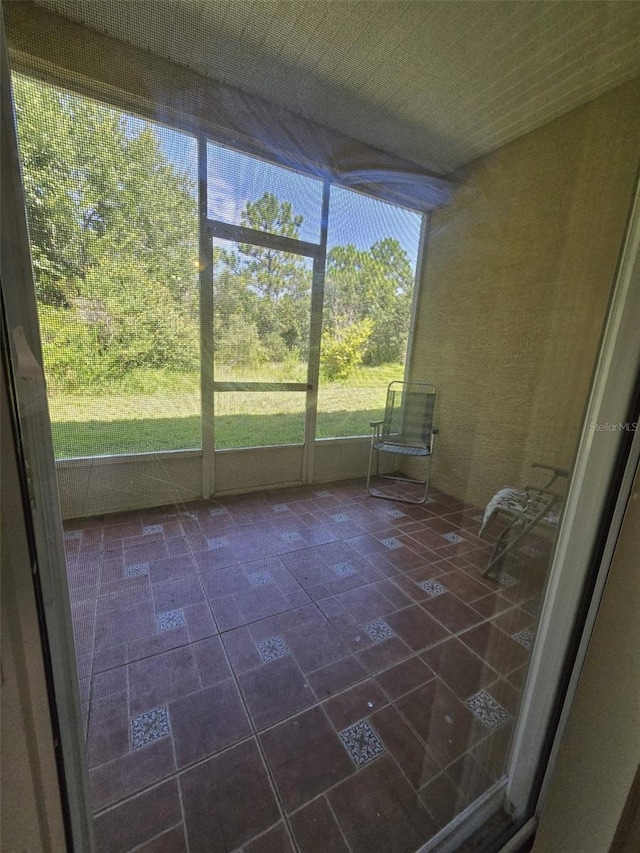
x: 310, y: 669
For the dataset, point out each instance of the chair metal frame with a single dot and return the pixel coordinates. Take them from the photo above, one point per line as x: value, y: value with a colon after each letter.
x: 540, y: 502
x: 382, y: 439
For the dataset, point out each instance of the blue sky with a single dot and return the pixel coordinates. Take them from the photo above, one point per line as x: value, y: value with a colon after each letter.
x: 234, y: 178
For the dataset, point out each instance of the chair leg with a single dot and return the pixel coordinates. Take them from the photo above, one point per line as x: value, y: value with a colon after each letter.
x: 421, y: 501
x: 426, y: 481
x: 524, y: 529
x: 497, y: 554
x: 369, y: 469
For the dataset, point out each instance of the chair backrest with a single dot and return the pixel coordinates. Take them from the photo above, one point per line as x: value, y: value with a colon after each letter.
x: 408, y: 416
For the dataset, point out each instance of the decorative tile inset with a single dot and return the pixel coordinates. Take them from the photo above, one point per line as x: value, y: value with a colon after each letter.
x: 72, y: 534
x: 137, y: 570
x: 453, y: 537
x: 432, y: 588
x: 340, y: 516
x: 280, y: 508
x: 343, y: 570
x: 524, y: 637
x: 147, y: 727
x: 170, y: 620
x: 292, y: 536
x: 153, y: 528
x: 260, y: 578
x: 530, y: 551
x: 378, y: 630
x: 505, y: 579
x: 218, y: 510
x: 391, y: 543
x: 272, y: 649
x: 486, y: 709
x: 217, y: 542
x: 396, y: 513
x: 323, y: 494
x: 362, y: 743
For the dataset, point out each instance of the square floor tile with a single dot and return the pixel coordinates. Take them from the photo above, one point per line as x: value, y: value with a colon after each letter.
x: 454, y: 538
x: 432, y: 588
x: 391, y: 543
x: 227, y: 800
x: 207, y: 721
x: 132, y: 823
x: 260, y: 578
x: 171, y: 620
x: 362, y: 743
x: 486, y: 709
x: 156, y: 680
x: 137, y: 570
x: 316, y: 829
x: 306, y: 757
x: 343, y: 570
x: 147, y: 727
x: 275, y: 690
x: 378, y: 810
x: 272, y: 649
x: 378, y: 630
x: 445, y: 724
x: 524, y: 637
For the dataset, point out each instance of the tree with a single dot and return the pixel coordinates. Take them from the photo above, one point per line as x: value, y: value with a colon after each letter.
x: 373, y: 285
x: 113, y: 233
x: 272, y: 287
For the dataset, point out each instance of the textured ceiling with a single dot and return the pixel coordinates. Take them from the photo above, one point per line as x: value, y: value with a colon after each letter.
x: 439, y: 83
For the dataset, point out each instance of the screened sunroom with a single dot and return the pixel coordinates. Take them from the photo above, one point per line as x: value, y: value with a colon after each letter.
x: 230, y: 228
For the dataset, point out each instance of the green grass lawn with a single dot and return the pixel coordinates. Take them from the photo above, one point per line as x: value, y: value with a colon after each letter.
x: 155, y: 411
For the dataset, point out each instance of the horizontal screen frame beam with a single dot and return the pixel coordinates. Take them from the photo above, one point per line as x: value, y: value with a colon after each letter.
x: 260, y: 386
x: 242, y: 234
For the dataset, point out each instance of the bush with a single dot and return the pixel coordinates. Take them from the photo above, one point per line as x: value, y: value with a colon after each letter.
x: 239, y: 344
x: 122, y: 320
x: 342, y: 353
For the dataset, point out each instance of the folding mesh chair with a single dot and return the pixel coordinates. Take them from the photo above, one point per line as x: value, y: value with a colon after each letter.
x: 524, y: 510
x: 406, y: 431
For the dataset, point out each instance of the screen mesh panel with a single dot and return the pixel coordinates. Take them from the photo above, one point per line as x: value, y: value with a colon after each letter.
x: 258, y: 418
x: 247, y: 191
x: 262, y: 309
x: 369, y: 282
x: 192, y: 602
x: 112, y: 214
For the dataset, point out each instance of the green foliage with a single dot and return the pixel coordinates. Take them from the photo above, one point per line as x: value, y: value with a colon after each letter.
x: 113, y: 229
x: 342, y: 354
x: 376, y: 285
x: 113, y: 232
x: 239, y: 344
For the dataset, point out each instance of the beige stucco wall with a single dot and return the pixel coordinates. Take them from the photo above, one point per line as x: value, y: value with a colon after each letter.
x: 514, y: 291
x: 600, y: 751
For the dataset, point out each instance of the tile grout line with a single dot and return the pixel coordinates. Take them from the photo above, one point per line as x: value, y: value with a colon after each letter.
x: 263, y: 758
x: 400, y: 573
